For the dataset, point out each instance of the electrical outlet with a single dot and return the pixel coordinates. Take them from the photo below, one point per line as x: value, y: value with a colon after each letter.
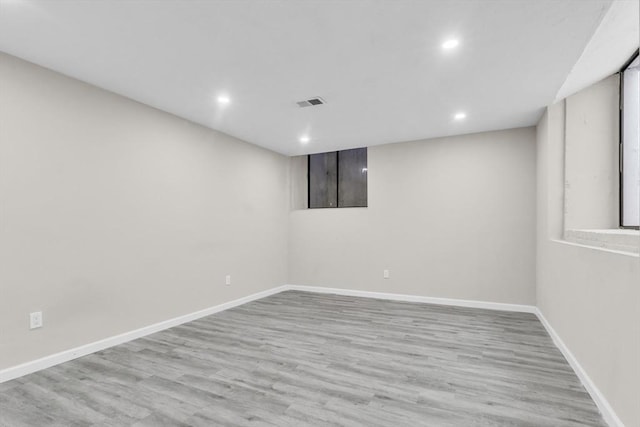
x: 35, y: 320
x: 385, y: 274
x: 227, y: 279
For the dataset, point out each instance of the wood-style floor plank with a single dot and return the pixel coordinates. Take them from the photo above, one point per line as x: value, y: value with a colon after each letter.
x: 305, y: 359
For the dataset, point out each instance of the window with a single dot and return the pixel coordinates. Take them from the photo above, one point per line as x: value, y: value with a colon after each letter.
x: 338, y: 179
x: 630, y: 145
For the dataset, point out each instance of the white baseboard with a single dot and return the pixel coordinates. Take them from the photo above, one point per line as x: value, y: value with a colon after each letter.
x: 601, y: 402
x: 29, y: 367
x: 67, y: 355
x: 415, y: 298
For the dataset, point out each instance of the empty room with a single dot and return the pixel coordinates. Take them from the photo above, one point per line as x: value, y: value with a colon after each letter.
x: 319, y: 213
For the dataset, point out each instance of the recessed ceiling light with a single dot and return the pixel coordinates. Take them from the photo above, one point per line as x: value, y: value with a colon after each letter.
x: 460, y: 116
x: 450, y: 44
x: 223, y: 100
x: 304, y: 139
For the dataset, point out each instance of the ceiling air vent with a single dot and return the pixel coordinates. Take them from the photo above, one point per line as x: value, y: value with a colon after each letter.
x: 311, y: 102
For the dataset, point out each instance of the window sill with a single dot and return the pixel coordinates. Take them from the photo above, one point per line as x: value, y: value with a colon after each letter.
x: 622, y: 240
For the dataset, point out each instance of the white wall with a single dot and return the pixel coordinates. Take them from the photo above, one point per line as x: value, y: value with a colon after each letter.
x: 591, y: 157
x: 114, y: 215
x: 451, y: 217
x: 591, y: 297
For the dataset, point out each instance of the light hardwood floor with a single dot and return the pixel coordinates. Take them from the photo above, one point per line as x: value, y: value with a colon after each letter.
x: 304, y: 359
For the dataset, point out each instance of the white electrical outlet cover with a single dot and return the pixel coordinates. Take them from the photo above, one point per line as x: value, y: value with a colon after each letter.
x: 35, y: 320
